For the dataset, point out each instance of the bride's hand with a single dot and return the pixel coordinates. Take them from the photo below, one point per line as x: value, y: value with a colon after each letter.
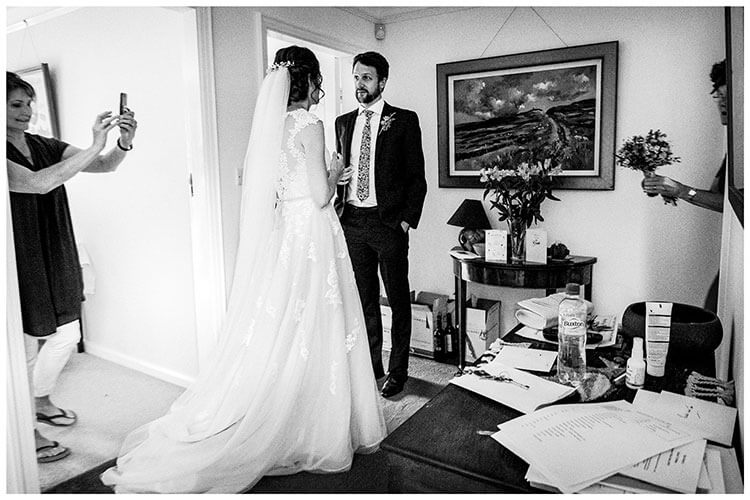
x: 336, y: 167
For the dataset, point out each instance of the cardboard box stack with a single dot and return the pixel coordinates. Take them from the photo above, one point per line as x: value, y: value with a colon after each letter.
x: 425, y: 308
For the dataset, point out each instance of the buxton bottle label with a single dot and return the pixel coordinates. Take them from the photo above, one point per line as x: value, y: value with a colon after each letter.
x: 573, y: 323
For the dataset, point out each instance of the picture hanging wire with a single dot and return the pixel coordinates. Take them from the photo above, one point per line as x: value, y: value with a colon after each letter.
x: 27, y: 33
x: 508, y: 18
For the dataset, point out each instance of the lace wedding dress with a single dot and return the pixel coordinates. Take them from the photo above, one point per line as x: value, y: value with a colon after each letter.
x: 293, y: 388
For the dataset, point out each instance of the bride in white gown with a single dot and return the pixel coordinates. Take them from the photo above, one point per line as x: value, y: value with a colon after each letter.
x: 290, y: 386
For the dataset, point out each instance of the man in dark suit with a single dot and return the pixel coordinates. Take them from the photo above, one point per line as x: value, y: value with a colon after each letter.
x: 380, y: 198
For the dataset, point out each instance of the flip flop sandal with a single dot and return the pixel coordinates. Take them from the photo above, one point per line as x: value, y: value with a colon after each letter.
x: 50, y: 419
x: 51, y: 458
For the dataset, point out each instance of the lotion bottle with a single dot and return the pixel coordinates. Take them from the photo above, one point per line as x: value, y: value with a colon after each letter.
x: 635, y: 373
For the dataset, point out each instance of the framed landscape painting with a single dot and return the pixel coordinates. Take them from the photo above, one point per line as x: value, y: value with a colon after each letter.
x: 44, y: 119
x: 492, y: 106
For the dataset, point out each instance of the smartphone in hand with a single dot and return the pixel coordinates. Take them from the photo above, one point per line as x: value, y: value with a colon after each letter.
x: 123, y: 103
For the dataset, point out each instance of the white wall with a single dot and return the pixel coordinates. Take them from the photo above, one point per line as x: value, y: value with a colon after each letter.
x: 239, y: 69
x: 646, y: 250
x: 135, y: 222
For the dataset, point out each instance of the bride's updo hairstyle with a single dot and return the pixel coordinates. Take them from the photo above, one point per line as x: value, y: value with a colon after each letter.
x: 304, y: 69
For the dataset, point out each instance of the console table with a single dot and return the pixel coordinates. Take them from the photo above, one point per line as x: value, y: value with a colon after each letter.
x: 550, y: 276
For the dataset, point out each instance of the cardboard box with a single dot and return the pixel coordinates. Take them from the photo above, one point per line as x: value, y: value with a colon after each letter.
x: 482, y: 326
x: 424, y: 310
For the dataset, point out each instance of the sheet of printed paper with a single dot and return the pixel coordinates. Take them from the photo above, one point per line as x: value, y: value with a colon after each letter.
x: 577, y: 445
x: 522, y: 391
x: 715, y: 473
x: 526, y: 359
x: 730, y: 469
x: 677, y: 469
x: 712, y: 421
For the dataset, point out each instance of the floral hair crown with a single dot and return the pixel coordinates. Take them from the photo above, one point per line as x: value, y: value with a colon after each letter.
x: 278, y: 65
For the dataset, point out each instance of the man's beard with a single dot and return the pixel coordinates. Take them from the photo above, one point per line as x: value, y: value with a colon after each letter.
x: 367, y: 98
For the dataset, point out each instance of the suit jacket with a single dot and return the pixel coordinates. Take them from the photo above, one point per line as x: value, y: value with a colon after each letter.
x: 400, y: 185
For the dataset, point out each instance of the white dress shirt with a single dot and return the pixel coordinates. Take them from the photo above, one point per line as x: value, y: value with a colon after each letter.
x: 359, y: 125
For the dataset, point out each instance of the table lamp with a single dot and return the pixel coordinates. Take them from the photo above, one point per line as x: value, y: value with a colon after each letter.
x: 471, y: 217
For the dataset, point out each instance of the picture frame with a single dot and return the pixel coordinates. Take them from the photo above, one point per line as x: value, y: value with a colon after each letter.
x: 494, y: 105
x: 44, y: 117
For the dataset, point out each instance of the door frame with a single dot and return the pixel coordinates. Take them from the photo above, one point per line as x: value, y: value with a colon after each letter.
x: 209, y: 283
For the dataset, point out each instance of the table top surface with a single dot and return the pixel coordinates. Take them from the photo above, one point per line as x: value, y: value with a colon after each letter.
x: 573, y: 260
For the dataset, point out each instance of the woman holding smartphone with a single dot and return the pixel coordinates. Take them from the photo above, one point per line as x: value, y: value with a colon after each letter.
x: 49, y: 272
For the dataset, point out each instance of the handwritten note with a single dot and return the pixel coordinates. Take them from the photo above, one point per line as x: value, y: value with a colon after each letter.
x: 711, y: 421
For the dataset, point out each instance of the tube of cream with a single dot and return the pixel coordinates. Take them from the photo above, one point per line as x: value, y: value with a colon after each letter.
x: 658, y: 325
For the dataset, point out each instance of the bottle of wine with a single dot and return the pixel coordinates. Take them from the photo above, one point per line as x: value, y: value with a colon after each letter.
x: 453, y: 335
x: 447, y: 339
x: 437, y: 340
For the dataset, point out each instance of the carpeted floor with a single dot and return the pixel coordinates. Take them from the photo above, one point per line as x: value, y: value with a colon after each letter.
x: 107, y: 415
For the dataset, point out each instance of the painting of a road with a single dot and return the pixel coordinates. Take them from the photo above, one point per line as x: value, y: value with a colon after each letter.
x: 499, y: 111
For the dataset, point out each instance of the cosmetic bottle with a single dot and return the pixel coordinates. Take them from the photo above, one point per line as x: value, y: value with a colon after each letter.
x: 635, y: 373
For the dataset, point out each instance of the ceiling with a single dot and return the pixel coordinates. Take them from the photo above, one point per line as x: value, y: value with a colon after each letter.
x: 383, y: 15
x: 386, y: 15
x: 18, y: 14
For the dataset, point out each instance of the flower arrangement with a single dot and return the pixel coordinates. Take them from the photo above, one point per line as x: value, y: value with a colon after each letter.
x: 646, y: 154
x: 517, y: 184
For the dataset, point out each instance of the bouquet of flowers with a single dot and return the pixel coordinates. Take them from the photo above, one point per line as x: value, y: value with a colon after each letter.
x: 519, y: 183
x: 647, y: 154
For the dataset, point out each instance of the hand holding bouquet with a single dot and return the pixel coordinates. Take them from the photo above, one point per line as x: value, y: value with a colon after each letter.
x: 647, y: 154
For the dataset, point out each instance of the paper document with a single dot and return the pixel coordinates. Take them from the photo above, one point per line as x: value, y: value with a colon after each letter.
x: 520, y: 390
x: 677, y: 469
x: 577, y: 445
x: 526, y: 359
x: 730, y: 469
x: 711, y: 421
x: 715, y: 473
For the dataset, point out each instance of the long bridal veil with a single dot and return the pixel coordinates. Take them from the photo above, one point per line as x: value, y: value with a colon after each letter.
x: 260, y: 176
x: 206, y: 425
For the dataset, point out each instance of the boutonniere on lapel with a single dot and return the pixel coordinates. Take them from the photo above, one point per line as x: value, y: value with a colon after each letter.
x: 385, y: 123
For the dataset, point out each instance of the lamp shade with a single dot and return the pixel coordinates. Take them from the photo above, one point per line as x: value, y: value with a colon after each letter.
x: 470, y: 215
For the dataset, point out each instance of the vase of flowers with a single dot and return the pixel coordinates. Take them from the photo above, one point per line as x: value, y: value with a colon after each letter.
x: 646, y: 154
x: 517, y: 183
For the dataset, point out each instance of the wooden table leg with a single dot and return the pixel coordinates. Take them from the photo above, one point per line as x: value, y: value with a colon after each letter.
x: 461, y: 318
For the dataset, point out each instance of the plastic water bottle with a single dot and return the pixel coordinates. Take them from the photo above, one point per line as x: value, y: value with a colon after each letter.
x: 571, y: 337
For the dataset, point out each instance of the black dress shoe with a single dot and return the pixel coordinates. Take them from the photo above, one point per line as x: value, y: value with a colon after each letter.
x: 391, y: 387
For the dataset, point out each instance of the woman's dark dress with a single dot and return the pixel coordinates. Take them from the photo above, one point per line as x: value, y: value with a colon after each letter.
x: 49, y: 272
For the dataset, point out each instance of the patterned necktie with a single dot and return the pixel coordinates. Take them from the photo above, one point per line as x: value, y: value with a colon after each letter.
x: 363, y: 170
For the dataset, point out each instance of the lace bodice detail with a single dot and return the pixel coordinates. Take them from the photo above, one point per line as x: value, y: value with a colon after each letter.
x: 293, y: 182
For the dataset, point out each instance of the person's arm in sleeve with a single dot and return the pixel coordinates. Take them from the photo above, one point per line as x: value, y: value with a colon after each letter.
x: 23, y: 180
x: 416, y: 185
